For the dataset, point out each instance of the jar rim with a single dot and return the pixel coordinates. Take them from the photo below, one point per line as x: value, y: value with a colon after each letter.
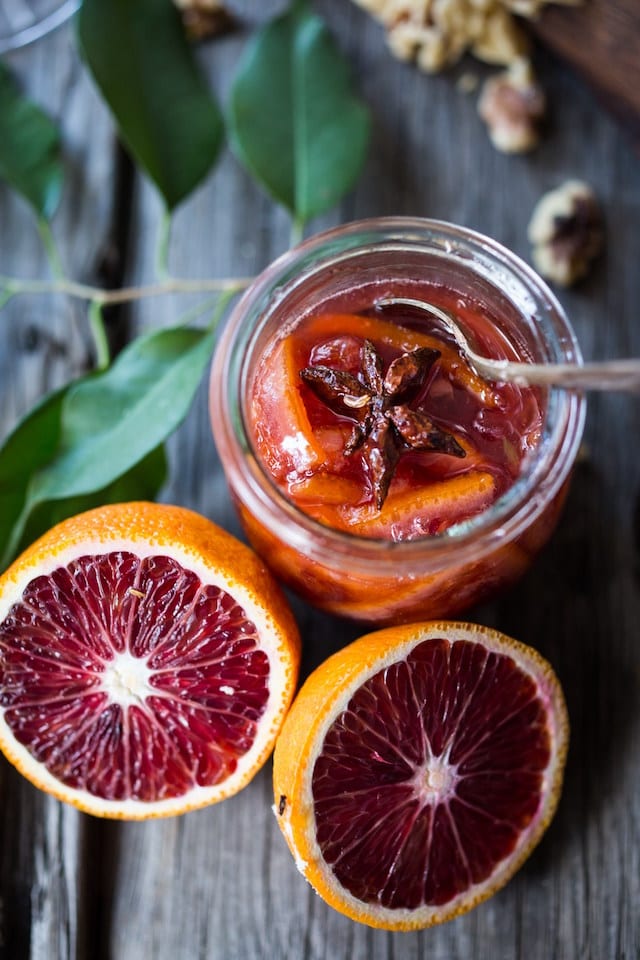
x: 503, y: 520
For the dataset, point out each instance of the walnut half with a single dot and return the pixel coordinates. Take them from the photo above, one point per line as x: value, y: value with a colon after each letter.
x: 566, y: 232
x: 512, y: 104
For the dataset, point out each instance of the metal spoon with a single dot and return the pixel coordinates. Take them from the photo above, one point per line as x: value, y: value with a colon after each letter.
x: 607, y: 375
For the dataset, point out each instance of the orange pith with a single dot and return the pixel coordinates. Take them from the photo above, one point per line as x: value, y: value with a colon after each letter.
x: 224, y: 568
x: 301, y: 762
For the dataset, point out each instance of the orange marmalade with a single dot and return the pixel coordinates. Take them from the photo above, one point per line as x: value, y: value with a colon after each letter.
x: 372, y: 469
x: 447, y: 445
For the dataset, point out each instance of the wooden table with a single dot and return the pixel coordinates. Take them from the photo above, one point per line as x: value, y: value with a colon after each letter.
x: 220, y: 884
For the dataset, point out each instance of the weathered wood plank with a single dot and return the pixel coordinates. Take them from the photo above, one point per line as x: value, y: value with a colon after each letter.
x: 602, y: 40
x: 44, y: 342
x: 220, y: 884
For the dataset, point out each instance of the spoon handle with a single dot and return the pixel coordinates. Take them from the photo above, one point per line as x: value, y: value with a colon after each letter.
x: 621, y: 375
x: 618, y: 375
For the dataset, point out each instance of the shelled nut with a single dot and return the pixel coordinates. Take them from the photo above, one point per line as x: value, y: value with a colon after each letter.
x: 512, y: 104
x: 566, y: 232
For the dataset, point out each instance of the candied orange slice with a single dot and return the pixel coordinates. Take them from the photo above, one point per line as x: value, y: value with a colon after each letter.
x: 327, y: 489
x: 423, y: 511
x: 284, y: 436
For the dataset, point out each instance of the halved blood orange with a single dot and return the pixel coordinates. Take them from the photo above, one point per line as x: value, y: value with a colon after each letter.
x: 147, y: 660
x: 417, y: 769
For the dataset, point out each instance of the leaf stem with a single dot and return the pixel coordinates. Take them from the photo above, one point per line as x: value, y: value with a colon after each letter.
x: 215, y: 305
x: 203, y: 307
x: 83, y: 291
x: 162, y: 246
x: 220, y: 307
x: 96, y: 321
x: 5, y: 296
x: 297, y: 231
x: 50, y: 248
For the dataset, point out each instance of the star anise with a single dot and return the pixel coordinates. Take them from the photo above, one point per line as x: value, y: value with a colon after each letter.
x: 385, y: 424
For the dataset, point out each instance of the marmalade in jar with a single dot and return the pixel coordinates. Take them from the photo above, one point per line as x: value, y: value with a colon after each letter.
x: 373, y: 423
x: 372, y: 469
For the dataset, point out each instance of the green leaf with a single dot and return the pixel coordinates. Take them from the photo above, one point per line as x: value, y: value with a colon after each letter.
x: 31, y: 445
x: 143, y: 482
x: 294, y: 122
x: 29, y: 149
x: 30, y: 448
x: 112, y: 420
x: 100, y: 436
x: 139, y: 56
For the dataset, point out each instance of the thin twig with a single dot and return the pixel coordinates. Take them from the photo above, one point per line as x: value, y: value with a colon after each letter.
x: 83, y: 291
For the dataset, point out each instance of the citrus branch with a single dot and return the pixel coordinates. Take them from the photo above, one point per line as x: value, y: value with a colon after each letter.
x: 82, y: 291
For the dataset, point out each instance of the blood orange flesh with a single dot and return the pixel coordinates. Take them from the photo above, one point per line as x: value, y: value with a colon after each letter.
x: 427, y: 779
x: 129, y: 678
x: 417, y: 769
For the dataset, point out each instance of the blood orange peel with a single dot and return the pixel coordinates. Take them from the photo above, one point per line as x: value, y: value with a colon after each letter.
x: 147, y: 659
x: 417, y: 769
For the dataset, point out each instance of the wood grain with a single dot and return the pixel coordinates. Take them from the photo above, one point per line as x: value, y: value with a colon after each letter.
x: 220, y: 884
x: 601, y: 38
x: 44, y: 343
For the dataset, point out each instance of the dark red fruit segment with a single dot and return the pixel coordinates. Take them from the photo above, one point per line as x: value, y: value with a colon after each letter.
x: 199, y: 687
x: 425, y: 782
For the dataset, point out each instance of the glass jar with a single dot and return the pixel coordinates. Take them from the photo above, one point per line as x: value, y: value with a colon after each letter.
x: 378, y: 580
